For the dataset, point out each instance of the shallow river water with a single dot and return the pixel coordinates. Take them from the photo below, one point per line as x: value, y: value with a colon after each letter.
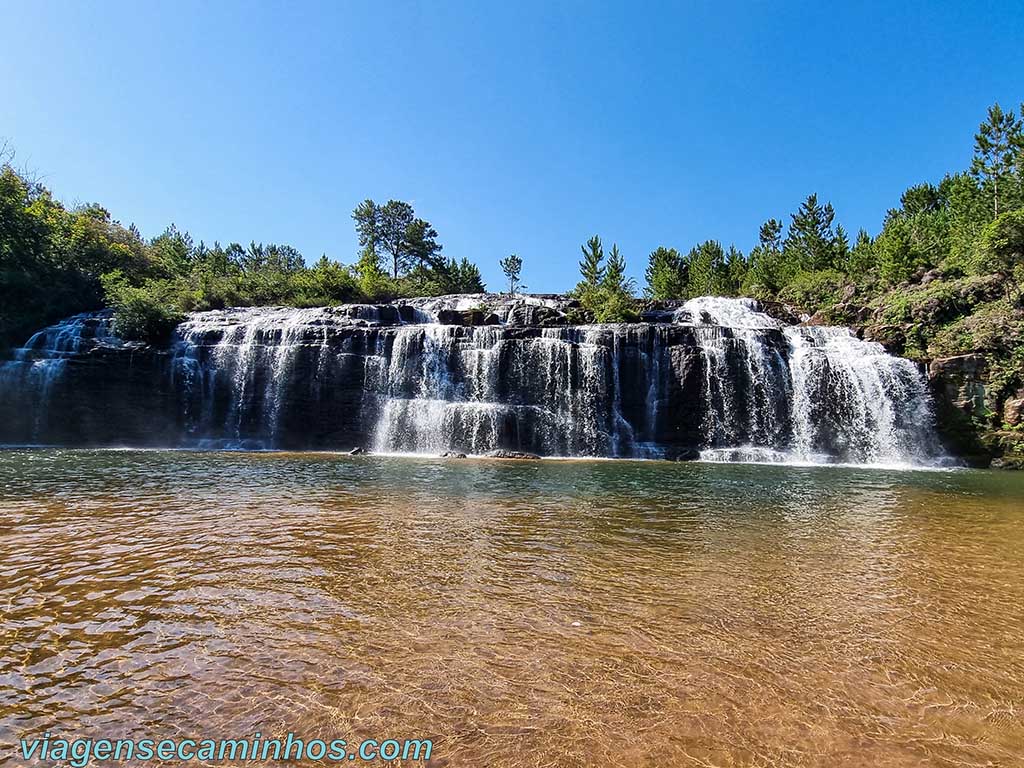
x: 554, y: 613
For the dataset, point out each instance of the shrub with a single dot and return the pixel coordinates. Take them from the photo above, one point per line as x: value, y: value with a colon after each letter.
x: 812, y: 291
x: 993, y: 327
x: 141, y: 313
x: 1000, y: 248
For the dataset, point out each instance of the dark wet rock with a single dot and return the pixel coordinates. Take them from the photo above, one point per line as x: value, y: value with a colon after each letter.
x: 535, y: 314
x: 453, y: 455
x: 357, y: 452
x: 449, y: 317
x: 959, y: 389
x: 962, y: 380
x: 473, y: 317
x: 682, y: 454
x: 505, y: 454
x: 657, y: 316
x: 781, y: 312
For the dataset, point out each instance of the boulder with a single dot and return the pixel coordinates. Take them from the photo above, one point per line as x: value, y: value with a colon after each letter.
x: 1009, y: 445
x: 453, y: 455
x: 357, y: 452
x: 1013, y: 410
x: 449, y: 317
x: 892, y: 337
x: 781, y: 312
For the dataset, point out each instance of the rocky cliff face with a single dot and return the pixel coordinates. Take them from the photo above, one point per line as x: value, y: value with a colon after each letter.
x: 476, y: 374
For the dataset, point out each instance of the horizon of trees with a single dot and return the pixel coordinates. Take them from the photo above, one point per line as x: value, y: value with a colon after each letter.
x: 970, y: 224
x: 56, y: 261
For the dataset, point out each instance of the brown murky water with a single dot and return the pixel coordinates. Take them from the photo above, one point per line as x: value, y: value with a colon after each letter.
x: 539, y: 614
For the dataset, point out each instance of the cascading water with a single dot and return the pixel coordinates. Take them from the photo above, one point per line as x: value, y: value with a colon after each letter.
x: 27, y: 380
x: 722, y: 377
x: 842, y: 397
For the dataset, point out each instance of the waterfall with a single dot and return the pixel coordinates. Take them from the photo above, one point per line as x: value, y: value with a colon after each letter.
x: 844, y: 399
x: 27, y: 381
x: 718, y: 376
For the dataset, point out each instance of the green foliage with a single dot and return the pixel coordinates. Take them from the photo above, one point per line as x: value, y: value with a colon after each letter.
x: 460, y: 277
x: 862, y: 257
x: 51, y: 258
x: 969, y: 212
x: 55, y: 262
x: 592, y: 271
x: 812, y: 291
x: 938, y: 302
x: 444, y: 277
x: 141, y: 313
x: 605, y: 293
x: 1001, y: 248
x: 708, y: 273
x: 735, y: 271
x: 616, y: 303
x: 666, y: 274
x: 993, y: 327
x: 394, y: 232
x: 766, y: 272
x: 811, y: 243
x: 374, y: 283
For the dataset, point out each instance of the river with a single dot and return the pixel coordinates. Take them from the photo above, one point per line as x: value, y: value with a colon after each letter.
x: 545, y: 613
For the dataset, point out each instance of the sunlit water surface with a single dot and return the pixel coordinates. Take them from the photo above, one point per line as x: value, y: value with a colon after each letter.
x: 542, y: 613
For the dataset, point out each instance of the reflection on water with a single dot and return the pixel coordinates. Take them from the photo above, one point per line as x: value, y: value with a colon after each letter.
x: 543, y: 613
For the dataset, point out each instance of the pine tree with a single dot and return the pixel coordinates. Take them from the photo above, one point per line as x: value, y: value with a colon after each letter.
x: 862, y: 255
x: 770, y: 235
x: 615, y: 280
x: 511, y: 266
x: 665, y: 274
x: 615, y: 302
x: 592, y: 267
x: 735, y: 270
x: 810, y: 243
x: 394, y: 229
x: 707, y: 272
x: 840, y: 249
x: 998, y: 145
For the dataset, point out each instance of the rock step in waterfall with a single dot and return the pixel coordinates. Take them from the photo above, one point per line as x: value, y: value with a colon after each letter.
x: 716, y: 375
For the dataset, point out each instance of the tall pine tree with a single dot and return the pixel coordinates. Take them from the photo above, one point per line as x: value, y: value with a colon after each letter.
x: 665, y: 275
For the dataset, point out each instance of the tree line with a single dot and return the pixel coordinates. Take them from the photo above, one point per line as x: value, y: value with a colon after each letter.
x: 56, y: 261
x: 969, y: 224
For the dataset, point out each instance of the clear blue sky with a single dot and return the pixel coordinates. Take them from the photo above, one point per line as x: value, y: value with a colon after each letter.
x: 512, y: 127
